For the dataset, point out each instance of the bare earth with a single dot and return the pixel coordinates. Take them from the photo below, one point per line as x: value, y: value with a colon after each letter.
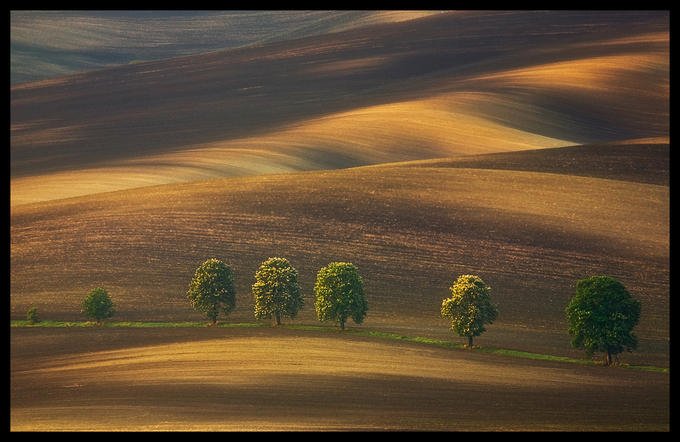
x: 410, y: 229
x: 531, y: 148
x: 280, y: 379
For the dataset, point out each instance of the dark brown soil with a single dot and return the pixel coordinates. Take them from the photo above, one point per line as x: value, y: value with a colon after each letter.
x: 410, y: 230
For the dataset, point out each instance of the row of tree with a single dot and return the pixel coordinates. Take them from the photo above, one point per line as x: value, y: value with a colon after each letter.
x: 338, y: 291
x: 601, y: 314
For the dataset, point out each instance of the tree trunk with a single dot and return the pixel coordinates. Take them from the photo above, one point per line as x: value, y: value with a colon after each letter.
x: 277, y: 317
x: 342, y: 324
x: 469, y: 341
x: 607, y: 358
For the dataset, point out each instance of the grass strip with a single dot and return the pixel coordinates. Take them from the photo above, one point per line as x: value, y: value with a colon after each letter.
x: 49, y: 324
x: 535, y: 356
x: 131, y: 324
x: 322, y: 328
x: 490, y: 350
x: 192, y: 324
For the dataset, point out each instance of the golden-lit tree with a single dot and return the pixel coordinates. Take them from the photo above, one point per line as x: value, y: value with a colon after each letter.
x: 276, y: 290
x: 469, y: 308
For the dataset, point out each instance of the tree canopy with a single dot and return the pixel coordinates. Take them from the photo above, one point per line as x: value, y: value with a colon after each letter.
x: 98, y: 305
x: 339, y: 294
x: 212, y: 289
x: 32, y: 315
x: 601, y: 317
x: 276, y: 290
x: 469, y: 308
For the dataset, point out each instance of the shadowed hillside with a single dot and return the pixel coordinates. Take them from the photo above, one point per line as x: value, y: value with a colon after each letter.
x: 47, y: 44
x: 410, y: 230
x: 644, y: 161
x: 443, y: 85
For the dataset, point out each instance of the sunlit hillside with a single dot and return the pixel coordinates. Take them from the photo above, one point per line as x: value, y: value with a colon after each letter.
x: 529, y: 148
x: 288, y: 380
x: 439, y: 126
x: 435, y: 86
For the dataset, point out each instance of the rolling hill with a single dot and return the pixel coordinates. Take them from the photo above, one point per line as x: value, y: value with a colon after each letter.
x: 279, y: 380
x: 410, y: 229
x: 48, y: 44
x: 642, y: 160
x: 441, y: 85
x: 531, y: 148
x: 131, y: 176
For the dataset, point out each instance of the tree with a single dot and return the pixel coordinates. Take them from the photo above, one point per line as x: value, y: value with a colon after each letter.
x: 98, y: 305
x: 469, y: 308
x: 32, y: 315
x: 601, y: 317
x: 339, y: 294
x: 276, y: 290
x: 212, y: 289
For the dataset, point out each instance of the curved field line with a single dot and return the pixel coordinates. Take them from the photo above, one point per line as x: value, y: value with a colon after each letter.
x: 370, y: 333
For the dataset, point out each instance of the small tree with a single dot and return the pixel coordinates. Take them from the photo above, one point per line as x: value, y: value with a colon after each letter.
x: 601, y: 316
x: 98, y: 305
x: 469, y: 308
x: 339, y: 294
x: 32, y: 315
x: 212, y: 289
x: 276, y: 290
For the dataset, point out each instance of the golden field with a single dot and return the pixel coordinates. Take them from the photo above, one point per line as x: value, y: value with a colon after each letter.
x: 529, y: 148
x: 280, y: 380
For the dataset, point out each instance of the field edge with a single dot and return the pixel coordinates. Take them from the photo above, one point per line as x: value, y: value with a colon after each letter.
x: 382, y: 335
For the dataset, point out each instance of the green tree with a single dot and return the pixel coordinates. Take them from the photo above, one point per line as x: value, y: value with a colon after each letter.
x: 32, y: 315
x: 98, y: 305
x: 339, y: 294
x: 469, y: 308
x: 212, y: 289
x: 601, y: 317
x: 276, y: 290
